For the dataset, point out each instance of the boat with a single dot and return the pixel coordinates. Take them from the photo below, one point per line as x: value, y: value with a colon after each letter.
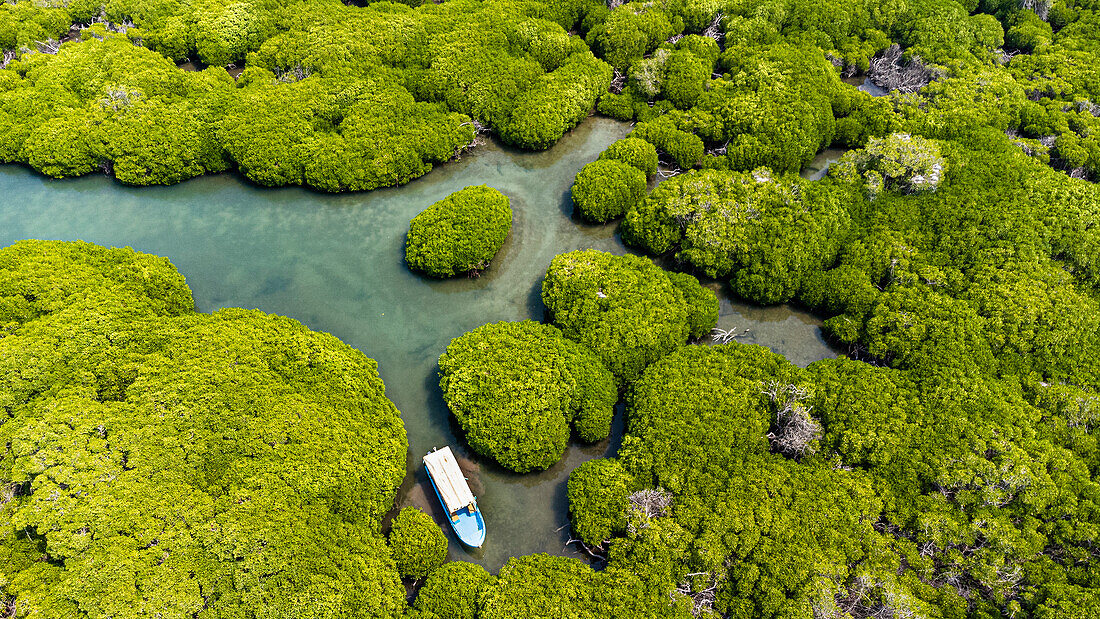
x: 454, y: 493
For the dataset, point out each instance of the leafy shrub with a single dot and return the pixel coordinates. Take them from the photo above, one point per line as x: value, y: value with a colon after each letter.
x: 607, y: 189
x: 278, y: 442
x: 625, y: 308
x: 898, y: 162
x: 418, y: 544
x: 704, y: 314
x: 460, y: 233
x: 539, y: 586
x: 685, y: 148
x: 557, y: 102
x: 684, y: 77
x: 774, y: 110
x: 618, y: 106
x: 454, y: 590
x: 516, y: 387
x: 338, y: 135
x: 866, y: 117
x: 598, y: 492
x: 634, y: 152
x: 703, y: 48
x: 768, y: 232
x: 631, y: 31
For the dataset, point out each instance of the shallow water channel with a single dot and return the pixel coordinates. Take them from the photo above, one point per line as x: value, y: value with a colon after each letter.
x: 335, y: 262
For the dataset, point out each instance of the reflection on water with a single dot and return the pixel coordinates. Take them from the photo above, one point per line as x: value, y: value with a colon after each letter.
x: 865, y: 84
x: 819, y: 167
x: 335, y: 262
x: 790, y: 332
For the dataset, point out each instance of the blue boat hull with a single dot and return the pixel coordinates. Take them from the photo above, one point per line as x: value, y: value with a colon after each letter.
x: 470, y: 526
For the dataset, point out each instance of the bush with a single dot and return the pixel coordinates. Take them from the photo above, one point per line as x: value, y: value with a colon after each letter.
x: 768, y: 233
x: 635, y: 152
x: 607, y: 189
x: 702, y: 301
x: 460, y: 233
x: 684, y: 78
x: 598, y: 492
x: 124, y: 385
x: 630, y: 32
x: 516, y: 387
x: 556, y: 102
x: 686, y: 149
x: 898, y: 162
x: 454, y: 590
x: 866, y: 118
x: 625, y: 308
x: 539, y: 586
x: 418, y: 544
x: 703, y: 48
x: 618, y: 106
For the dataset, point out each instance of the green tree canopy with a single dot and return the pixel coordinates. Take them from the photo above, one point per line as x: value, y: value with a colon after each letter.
x: 419, y: 545
x: 161, y: 461
x: 766, y: 232
x: 598, y: 492
x: 459, y: 234
x: 634, y: 152
x: 516, y: 388
x: 625, y: 308
x: 607, y: 189
x: 455, y: 590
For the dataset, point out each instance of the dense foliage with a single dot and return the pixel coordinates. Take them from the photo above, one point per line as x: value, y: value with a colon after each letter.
x: 634, y: 152
x: 418, y: 544
x: 598, y: 491
x: 335, y: 97
x: 767, y: 232
x: 607, y: 189
x: 516, y: 388
x: 160, y: 462
x: 459, y: 234
x: 945, y: 468
x: 625, y: 308
x: 949, y: 468
x: 454, y: 591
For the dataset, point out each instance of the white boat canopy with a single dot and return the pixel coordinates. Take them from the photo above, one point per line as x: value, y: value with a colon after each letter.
x: 449, y: 479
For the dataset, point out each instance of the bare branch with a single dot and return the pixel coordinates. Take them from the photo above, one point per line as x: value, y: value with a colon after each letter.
x: 1039, y: 7
x: 795, y: 430
x: 889, y: 71
x: 648, y: 504
x: 725, y: 336
x: 714, y: 30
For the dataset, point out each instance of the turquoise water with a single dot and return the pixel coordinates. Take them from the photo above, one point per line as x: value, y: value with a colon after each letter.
x: 335, y: 262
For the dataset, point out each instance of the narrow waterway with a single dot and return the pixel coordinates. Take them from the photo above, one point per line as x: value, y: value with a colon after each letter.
x: 335, y: 262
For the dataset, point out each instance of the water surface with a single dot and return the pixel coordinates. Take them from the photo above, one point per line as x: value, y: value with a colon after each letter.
x: 335, y: 262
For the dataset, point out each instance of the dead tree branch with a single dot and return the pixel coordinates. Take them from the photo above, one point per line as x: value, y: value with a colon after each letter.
x: 49, y: 46
x: 648, y: 504
x: 618, y: 82
x: 714, y: 30
x: 296, y: 73
x: 725, y: 336
x: 795, y: 430
x: 889, y: 71
x: 599, y: 553
x: 1039, y: 7
x: 702, y: 601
